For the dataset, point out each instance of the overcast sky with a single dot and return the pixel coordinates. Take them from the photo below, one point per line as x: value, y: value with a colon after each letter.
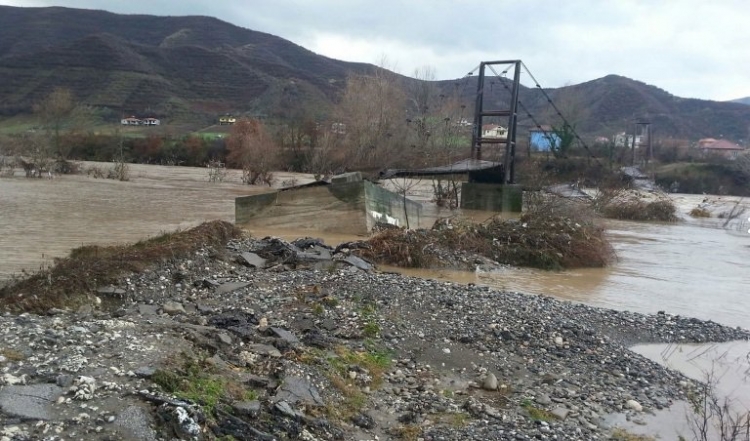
x: 690, y: 48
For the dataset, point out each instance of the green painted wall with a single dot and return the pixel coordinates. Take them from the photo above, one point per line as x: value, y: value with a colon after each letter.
x: 492, y: 197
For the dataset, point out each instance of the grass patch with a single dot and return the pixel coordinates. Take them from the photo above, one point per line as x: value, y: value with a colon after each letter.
x: 337, y: 365
x: 196, y: 380
x: 70, y: 281
x: 12, y: 354
x: 536, y: 413
x: 700, y: 212
x: 410, y: 432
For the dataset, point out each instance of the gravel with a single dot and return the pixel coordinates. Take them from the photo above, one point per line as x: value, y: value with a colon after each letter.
x: 331, y: 350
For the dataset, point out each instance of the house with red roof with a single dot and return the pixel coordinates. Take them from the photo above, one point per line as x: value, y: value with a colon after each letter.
x: 720, y: 147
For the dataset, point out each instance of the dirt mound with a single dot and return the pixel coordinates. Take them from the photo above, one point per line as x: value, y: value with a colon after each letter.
x: 71, y: 279
x: 540, y: 240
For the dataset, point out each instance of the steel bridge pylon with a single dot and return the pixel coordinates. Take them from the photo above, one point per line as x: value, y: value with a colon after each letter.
x: 477, y: 140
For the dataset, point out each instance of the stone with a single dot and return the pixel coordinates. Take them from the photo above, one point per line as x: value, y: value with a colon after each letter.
x: 283, y: 334
x: 111, y: 290
x: 145, y: 371
x: 172, y: 308
x: 543, y: 399
x: 264, y: 350
x: 364, y: 421
x: 12, y: 380
x: 228, y: 287
x: 252, y: 260
x: 298, y: 390
x: 33, y: 402
x: 145, y: 309
x: 490, y: 382
x: 286, y: 409
x: 558, y: 341
x: 224, y: 338
x: 634, y: 405
x: 247, y: 408
x: 560, y: 412
x: 358, y: 262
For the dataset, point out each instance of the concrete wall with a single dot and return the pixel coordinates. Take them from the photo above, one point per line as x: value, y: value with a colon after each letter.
x: 343, y: 207
x: 387, y: 207
x: 491, y: 197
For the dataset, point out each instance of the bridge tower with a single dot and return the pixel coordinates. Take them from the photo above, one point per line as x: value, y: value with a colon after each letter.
x: 480, y: 112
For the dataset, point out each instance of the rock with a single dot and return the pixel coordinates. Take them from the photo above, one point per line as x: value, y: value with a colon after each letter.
x: 558, y: 341
x: 136, y: 422
x: 286, y: 409
x: 172, y: 308
x: 247, y: 408
x: 298, y: 390
x: 32, y: 402
x: 364, y: 421
x: 183, y: 424
x: 84, y: 388
x: 145, y: 309
x: 490, y: 382
x: 543, y: 399
x: 228, y: 287
x: 12, y: 380
x: 111, y: 290
x: 358, y: 262
x: 224, y: 338
x: 560, y: 412
x: 145, y: 372
x: 209, y: 283
x: 634, y: 405
x: 283, y: 334
x: 252, y: 260
x: 264, y: 350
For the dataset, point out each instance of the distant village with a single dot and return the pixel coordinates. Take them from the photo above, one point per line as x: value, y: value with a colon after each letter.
x: 541, y: 138
x: 133, y: 121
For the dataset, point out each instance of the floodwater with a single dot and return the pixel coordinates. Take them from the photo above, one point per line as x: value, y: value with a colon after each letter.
x: 41, y: 219
x: 694, y: 268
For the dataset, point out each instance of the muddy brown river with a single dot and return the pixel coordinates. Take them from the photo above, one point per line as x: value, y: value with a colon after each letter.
x: 694, y: 268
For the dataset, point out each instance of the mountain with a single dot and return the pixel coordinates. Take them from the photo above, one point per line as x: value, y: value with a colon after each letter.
x: 745, y: 100
x: 197, y: 67
x: 137, y: 63
x: 612, y: 104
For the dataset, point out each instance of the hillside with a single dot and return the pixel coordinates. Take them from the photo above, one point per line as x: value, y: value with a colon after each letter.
x: 137, y: 63
x: 745, y: 100
x: 193, y: 68
x: 610, y: 104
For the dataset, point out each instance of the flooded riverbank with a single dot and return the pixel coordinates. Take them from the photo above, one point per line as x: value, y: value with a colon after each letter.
x: 693, y: 268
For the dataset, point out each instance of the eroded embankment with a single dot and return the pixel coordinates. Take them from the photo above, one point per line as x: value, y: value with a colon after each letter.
x: 262, y: 339
x: 539, y: 239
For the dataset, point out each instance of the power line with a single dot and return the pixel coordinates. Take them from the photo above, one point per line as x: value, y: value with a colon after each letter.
x: 565, y: 121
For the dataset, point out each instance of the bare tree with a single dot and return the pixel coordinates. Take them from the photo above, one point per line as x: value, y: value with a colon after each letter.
x: 372, y: 113
x: 252, y: 149
x: 58, y: 114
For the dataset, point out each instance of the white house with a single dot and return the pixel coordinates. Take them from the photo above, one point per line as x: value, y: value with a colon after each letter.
x: 494, y: 131
x: 625, y: 140
x: 131, y: 121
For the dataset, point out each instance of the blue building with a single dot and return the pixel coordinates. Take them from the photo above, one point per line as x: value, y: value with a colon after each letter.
x: 541, y: 140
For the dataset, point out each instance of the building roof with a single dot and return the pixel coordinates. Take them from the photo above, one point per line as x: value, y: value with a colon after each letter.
x: 460, y: 167
x: 718, y: 144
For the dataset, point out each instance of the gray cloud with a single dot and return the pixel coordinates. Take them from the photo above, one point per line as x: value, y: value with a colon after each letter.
x: 691, y: 48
